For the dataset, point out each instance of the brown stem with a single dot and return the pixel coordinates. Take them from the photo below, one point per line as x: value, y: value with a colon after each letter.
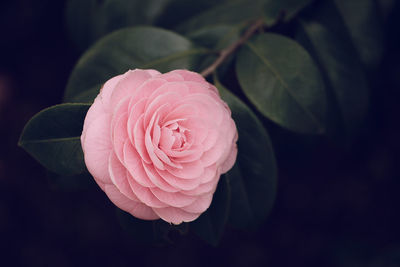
x: 232, y: 48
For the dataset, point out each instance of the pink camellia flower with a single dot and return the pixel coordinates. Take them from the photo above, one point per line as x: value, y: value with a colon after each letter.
x: 157, y: 143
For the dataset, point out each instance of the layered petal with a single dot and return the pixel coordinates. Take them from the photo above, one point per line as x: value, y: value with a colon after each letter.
x: 137, y: 209
x: 158, y: 143
x: 97, y: 147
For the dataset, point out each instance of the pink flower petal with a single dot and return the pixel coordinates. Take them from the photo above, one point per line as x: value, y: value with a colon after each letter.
x: 214, y: 153
x: 166, y: 139
x: 198, y: 87
x: 119, y: 178
x: 134, y: 165
x: 95, y: 110
x: 139, y: 138
x: 156, y: 133
x: 203, y: 188
x: 137, y: 209
x: 172, y: 77
x: 175, y: 215
x: 100, y: 184
x: 153, y: 105
x: 211, y: 139
x: 230, y: 161
x: 150, y: 147
x: 210, y: 174
x: 134, y: 114
x: 201, y: 204
x: 182, y: 112
x: 145, y: 195
x: 145, y: 90
x: 158, y: 143
x: 107, y: 89
x: 128, y: 85
x: 120, y: 135
x: 167, y: 88
x: 210, y: 110
x: 195, y: 154
x: 182, y: 184
x: 97, y: 147
x: 165, y: 159
x: 189, y: 170
x: 174, y: 199
x: 157, y: 180
x: 189, y: 75
x: 153, y: 72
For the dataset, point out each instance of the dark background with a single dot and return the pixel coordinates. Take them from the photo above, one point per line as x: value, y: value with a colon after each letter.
x: 336, y: 206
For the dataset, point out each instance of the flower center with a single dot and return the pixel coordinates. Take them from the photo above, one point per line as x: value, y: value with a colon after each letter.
x: 179, y: 134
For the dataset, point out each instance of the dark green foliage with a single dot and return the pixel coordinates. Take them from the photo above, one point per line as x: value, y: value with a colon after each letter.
x: 130, y: 48
x: 308, y: 76
x: 281, y: 80
x: 210, y: 225
x: 53, y: 138
x: 253, y: 179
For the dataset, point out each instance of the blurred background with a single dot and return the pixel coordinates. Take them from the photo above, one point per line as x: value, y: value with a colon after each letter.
x: 336, y: 205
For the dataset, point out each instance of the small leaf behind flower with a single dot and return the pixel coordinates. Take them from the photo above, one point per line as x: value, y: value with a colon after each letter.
x: 52, y: 137
x: 280, y: 78
x: 364, y: 27
x: 253, y: 179
x: 344, y: 75
x: 289, y: 9
x: 89, y: 20
x: 131, y: 48
x: 210, y: 225
x: 232, y: 12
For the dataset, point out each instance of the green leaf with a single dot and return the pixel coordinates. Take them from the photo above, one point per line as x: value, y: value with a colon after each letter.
x: 355, y: 20
x: 343, y: 72
x: 253, y: 179
x: 177, y: 11
x: 216, y: 37
x: 52, y: 137
x: 362, y: 20
x: 210, y: 225
x: 237, y: 12
x: 89, y: 20
x: 130, y: 48
x: 229, y: 13
x: 280, y: 78
x: 87, y: 96
x: 288, y: 8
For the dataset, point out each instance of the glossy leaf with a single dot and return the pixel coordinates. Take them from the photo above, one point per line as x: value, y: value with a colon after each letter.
x: 89, y: 20
x: 216, y: 37
x: 362, y: 20
x: 343, y: 72
x: 52, y: 137
x: 176, y: 11
x: 233, y: 12
x: 253, y: 179
x: 87, y: 96
x: 287, y: 8
x: 130, y: 48
x: 356, y: 20
x: 281, y: 80
x: 210, y: 225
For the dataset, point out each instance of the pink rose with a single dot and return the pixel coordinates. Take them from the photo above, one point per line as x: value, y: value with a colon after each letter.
x: 157, y: 144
